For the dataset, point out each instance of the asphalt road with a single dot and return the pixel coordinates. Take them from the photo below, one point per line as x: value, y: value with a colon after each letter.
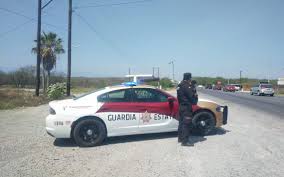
x: 251, y: 144
x: 272, y: 105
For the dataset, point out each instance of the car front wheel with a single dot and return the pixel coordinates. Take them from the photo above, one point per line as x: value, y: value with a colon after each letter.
x: 89, y: 132
x: 204, y: 123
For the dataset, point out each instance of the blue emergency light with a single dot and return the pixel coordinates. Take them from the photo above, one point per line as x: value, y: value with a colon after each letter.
x: 131, y: 84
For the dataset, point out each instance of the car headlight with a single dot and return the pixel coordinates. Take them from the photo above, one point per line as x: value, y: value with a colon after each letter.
x: 219, y: 109
x: 51, y: 111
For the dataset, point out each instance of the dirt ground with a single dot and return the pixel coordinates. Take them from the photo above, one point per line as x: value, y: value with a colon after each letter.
x: 252, y: 144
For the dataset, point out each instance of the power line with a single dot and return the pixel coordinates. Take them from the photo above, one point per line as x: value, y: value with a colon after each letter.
x: 46, y: 4
x: 27, y: 17
x: 16, y: 13
x: 15, y: 28
x: 113, y: 4
x: 98, y: 34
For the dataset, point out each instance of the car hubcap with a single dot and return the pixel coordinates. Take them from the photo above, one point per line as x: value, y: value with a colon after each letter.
x: 202, y: 123
x: 89, y: 133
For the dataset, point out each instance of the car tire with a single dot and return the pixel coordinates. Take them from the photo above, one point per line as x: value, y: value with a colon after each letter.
x: 89, y: 132
x: 203, y: 123
x: 271, y: 94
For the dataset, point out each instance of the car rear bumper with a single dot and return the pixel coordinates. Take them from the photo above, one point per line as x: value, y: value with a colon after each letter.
x: 57, y: 128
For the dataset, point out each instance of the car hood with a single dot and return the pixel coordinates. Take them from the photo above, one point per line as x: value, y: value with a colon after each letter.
x: 206, y: 100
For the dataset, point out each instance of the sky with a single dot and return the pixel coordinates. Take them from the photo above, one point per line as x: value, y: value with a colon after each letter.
x: 204, y: 37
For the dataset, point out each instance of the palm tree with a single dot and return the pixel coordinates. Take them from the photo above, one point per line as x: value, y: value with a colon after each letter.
x: 51, y: 47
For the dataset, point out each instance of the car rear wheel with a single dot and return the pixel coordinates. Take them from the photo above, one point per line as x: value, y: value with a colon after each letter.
x: 204, y: 123
x: 89, y: 132
x: 271, y: 94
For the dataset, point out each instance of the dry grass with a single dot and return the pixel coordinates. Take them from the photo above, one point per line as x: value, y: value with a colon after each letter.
x: 80, y: 90
x: 13, y: 98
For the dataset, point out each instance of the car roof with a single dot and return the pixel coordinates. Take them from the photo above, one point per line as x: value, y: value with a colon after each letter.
x: 116, y: 87
x: 112, y: 88
x: 123, y: 86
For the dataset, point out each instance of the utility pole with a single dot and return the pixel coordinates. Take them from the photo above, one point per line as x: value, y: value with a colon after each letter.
x: 69, y: 47
x: 38, y: 48
x: 159, y: 73
x: 240, y: 77
x: 158, y: 69
x: 159, y: 77
x: 173, y: 67
x: 129, y: 74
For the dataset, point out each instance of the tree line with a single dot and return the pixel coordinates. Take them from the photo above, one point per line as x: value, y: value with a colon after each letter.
x: 24, y: 77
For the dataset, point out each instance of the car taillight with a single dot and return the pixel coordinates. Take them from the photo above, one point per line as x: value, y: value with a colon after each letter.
x: 51, y: 111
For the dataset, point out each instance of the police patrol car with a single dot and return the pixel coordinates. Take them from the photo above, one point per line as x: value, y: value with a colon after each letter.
x: 125, y: 110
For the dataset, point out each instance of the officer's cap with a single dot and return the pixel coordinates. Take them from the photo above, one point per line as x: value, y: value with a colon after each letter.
x: 187, y: 76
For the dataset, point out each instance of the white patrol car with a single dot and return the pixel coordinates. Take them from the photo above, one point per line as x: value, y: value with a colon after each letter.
x: 125, y: 110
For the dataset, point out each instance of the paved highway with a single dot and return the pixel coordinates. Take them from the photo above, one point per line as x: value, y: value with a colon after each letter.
x: 272, y: 105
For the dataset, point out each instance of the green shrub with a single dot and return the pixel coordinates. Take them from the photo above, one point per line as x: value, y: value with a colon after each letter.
x: 166, y: 83
x: 56, y: 91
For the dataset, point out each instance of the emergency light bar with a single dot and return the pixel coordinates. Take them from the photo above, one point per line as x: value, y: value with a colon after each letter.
x: 131, y: 84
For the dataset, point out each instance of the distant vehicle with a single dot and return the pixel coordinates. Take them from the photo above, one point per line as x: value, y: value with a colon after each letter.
x: 208, y: 86
x: 229, y: 88
x: 238, y: 87
x: 218, y: 86
x: 200, y: 86
x: 262, y: 89
x: 126, y: 110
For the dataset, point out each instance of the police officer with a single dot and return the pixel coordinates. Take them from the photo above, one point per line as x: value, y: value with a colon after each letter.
x: 194, y: 92
x: 185, y: 98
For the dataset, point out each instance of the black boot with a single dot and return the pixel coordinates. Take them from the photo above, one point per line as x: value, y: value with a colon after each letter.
x: 187, y: 143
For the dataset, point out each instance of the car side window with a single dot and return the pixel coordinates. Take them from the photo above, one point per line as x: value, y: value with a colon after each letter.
x: 148, y: 95
x: 115, y: 96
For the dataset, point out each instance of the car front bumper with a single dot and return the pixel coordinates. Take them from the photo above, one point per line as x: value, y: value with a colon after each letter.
x: 225, y: 115
x: 267, y: 92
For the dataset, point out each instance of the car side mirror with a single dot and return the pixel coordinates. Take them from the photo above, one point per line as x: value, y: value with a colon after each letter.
x: 171, y: 99
x: 171, y: 102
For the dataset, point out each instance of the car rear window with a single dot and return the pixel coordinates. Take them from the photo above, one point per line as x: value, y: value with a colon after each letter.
x: 266, y: 86
x: 86, y: 94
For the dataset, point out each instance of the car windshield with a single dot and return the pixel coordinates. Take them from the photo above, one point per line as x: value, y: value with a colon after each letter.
x: 266, y: 86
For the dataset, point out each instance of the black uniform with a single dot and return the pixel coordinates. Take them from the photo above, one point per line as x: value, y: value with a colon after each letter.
x: 186, y: 98
x: 195, y: 95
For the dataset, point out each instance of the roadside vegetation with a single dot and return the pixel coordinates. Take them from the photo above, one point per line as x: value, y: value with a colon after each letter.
x: 13, y: 97
x: 17, y: 87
